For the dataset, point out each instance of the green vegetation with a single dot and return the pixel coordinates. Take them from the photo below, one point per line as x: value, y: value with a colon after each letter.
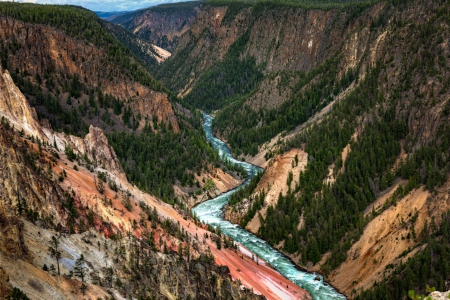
x: 54, y: 250
x: 226, y: 80
x: 246, y: 191
x: 334, y: 215
x: 143, y: 51
x: 154, y: 159
x: 157, y: 161
x: 260, y: 5
x: 429, y: 267
x: 380, y: 116
x: 69, y: 100
x: 79, y: 270
x: 17, y: 294
x: 251, y: 128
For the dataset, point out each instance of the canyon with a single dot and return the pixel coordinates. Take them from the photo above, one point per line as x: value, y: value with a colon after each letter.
x: 24, y: 242
x: 344, y: 105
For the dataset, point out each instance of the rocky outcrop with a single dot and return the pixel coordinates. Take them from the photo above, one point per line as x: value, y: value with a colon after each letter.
x: 197, y: 279
x: 439, y: 295
x: 5, y: 286
x: 149, y: 53
x: 15, y: 107
x: 26, y: 180
x: 273, y: 183
x: 159, y: 106
x: 12, y: 242
x: 94, y: 148
x: 298, y: 40
x: 235, y: 213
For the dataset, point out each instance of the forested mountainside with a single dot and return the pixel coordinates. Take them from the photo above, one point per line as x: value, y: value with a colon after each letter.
x: 76, y: 73
x: 161, y: 25
x: 362, y: 90
x: 65, y: 61
x: 72, y: 226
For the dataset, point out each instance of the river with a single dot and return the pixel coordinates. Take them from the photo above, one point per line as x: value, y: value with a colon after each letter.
x: 210, y: 212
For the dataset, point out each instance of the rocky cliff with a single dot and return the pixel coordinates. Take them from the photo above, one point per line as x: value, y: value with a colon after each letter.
x: 5, y: 286
x: 15, y: 107
x: 298, y: 40
x: 148, y: 52
x: 44, y: 56
x: 161, y: 25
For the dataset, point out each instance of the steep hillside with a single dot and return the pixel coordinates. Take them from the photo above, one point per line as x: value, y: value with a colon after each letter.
x: 362, y: 89
x: 77, y: 78
x: 72, y: 226
x: 230, y: 61
x: 76, y: 73
x: 161, y: 25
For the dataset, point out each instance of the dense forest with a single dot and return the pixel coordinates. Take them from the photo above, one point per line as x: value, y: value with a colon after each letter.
x: 227, y: 84
x: 379, y: 119
x: 227, y: 80
x: 139, y: 47
x: 368, y: 168
x: 155, y: 161
x: 257, y: 126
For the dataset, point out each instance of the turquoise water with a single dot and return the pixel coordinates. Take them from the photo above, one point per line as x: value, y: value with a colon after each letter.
x: 210, y: 212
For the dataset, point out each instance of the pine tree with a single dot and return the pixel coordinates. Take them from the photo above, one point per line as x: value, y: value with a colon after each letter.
x: 80, y: 270
x: 54, y: 251
x: 314, y: 253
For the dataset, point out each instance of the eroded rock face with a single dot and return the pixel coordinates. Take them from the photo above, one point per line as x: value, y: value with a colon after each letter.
x: 440, y: 295
x: 279, y: 38
x: 5, y: 286
x: 159, y: 27
x: 12, y: 243
x: 156, y: 104
x: 178, y: 279
x: 97, y: 147
x: 25, y: 177
x: 94, y: 147
x: 15, y: 107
